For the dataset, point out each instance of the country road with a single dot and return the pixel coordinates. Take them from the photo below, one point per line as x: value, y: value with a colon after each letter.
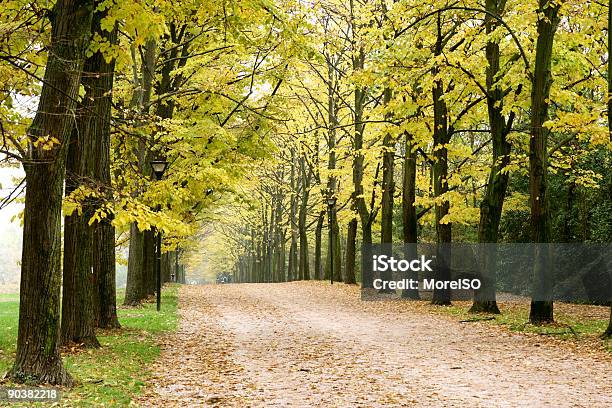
x: 308, y: 344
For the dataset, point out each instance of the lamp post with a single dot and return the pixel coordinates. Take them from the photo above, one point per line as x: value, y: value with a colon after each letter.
x: 331, y: 203
x: 159, y: 167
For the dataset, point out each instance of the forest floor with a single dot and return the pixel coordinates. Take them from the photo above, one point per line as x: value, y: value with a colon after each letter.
x: 305, y: 344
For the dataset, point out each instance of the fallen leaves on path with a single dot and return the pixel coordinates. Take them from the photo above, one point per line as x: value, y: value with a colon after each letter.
x: 308, y: 344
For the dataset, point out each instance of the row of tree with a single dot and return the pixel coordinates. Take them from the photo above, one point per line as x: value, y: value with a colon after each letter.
x: 492, y: 118
x: 124, y: 82
x: 488, y: 122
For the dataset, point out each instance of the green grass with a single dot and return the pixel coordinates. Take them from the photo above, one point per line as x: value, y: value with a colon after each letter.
x: 113, y: 374
x: 572, y: 322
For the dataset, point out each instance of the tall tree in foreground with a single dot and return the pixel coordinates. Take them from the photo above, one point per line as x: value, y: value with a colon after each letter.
x: 103, y: 257
x: 497, y: 185
x: 37, y: 357
x: 608, y: 332
x: 441, y: 136
x: 89, y: 251
x: 77, y: 296
x: 541, y: 306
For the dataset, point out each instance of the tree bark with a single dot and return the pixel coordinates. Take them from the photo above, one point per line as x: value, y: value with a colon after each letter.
x: 304, y: 267
x: 148, y: 264
x: 332, y: 182
x: 409, y: 215
x: 541, y: 309
x: 388, y: 189
x: 135, y: 290
x: 37, y: 357
x: 142, y: 250
x: 78, y: 315
x: 293, y: 272
x: 366, y: 215
x: 440, y: 180
x: 103, y: 259
x: 608, y: 332
x: 318, y: 244
x: 493, y: 200
x: 351, y: 238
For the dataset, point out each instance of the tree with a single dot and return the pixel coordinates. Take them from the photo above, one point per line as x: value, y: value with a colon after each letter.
x: 89, y: 298
x: 37, y: 358
x: 548, y: 19
x: 608, y: 332
x: 441, y: 137
x: 492, y: 203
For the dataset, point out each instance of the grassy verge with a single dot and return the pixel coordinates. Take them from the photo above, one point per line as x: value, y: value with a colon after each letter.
x: 114, y: 374
x: 581, y: 324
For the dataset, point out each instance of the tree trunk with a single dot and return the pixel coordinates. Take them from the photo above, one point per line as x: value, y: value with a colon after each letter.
x: 351, y: 238
x: 37, y: 357
x: 409, y: 215
x: 388, y: 189
x: 359, y: 203
x: 440, y: 180
x: 318, y: 244
x: 366, y: 254
x: 542, y: 308
x: 608, y: 332
x: 103, y: 259
x: 304, y: 270
x: 292, y: 270
x: 148, y: 265
x: 135, y: 290
x: 141, y: 261
x: 493, y: 200
x: 78, y: 317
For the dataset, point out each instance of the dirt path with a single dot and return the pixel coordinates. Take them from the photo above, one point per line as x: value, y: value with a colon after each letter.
x: 307, y: 344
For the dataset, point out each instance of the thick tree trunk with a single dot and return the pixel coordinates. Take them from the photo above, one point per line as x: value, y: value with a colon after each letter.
x: 493, y: 201
x: 89, y: 160
x: 440, y: 180
x: 78, y: 317
x: 542, y: 307
x: 103, y: 257
x: 351, y: 238
x: 409, y: 215
x: 37, y: 358
x: 104, y: 275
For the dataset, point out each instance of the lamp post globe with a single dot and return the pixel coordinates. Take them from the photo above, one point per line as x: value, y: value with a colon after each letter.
x: 159, y: 167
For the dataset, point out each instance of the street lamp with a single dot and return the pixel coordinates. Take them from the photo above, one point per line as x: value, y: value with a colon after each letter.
x: 159, y: 167
x: 331, y: 203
